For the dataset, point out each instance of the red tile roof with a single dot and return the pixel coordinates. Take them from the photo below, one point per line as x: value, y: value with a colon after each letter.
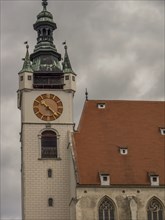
x: 131, y: 124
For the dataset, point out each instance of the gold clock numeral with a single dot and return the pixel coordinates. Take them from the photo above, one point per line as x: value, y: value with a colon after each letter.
x: 35, y: 107
x: 52, y: 96
x: 48, y: 96
x: 36, y: 102
x: 52, y: 117
x: 39, y: 114
x: 60, y: 106
x: 44, y: 118
x: 48, y: 118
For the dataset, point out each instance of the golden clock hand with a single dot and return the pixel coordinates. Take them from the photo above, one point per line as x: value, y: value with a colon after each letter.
x: 52, y: 111
x: 47, y: 106
x: 43, y: 103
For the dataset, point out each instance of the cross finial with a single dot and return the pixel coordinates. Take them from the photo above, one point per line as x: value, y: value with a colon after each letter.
x: 44, y: 4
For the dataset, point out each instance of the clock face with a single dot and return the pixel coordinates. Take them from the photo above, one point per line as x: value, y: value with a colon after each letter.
x: 47, y: 107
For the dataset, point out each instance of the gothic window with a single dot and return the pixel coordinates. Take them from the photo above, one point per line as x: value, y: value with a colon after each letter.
x: 48, y: 144
x: 154, y: 210
x: 106, y: 210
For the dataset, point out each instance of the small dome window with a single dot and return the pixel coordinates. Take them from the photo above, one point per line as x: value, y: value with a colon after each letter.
x: 123, y: 150
x: 162, y: 131
x: 104, y: 179
x: 101, y: 105
x: 154, y: 179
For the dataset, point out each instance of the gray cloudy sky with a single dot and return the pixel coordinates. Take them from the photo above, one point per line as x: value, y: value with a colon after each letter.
x: 115, y: 47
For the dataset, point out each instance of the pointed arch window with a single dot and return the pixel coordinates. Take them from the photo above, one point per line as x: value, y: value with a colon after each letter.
x: 154, y: 210
x: 107, y: 209
x: 48, y: 144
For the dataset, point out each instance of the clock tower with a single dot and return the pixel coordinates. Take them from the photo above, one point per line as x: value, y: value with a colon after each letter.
x: 45, y: 98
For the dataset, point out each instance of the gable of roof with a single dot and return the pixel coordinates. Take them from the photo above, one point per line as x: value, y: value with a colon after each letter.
x: 101, y: 133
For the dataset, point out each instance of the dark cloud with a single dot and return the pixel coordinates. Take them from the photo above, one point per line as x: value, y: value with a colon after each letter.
x: 115, y: 47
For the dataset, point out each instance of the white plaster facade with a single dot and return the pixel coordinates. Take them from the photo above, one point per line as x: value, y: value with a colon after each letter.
x: 37, y: 188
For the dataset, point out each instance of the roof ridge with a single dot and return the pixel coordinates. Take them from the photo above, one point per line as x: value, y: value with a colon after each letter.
x: 124, y: 100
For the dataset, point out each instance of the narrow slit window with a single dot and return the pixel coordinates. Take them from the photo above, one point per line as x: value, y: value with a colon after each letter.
x: 50, y: 202
x: 67, y: 77
x: 29, y: 77
x: 49, y: 173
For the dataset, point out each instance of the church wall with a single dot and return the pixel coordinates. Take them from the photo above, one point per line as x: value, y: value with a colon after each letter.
x: 89, y: 200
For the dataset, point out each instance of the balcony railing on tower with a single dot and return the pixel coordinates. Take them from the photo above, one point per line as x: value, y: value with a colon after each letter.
x: 50, y: 81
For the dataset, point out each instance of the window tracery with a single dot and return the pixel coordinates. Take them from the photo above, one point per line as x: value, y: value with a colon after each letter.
x: 106, y: 210
x: 155, y: 210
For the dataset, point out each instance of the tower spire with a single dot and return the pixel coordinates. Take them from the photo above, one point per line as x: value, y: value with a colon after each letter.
x: 67, y: 68
x: 27, y: 64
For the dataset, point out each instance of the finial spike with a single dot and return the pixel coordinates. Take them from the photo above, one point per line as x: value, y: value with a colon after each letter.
x: 27, y: 64
x: 27, y: 45
x: 66, y: 64
x: 64, y: 43
x: 86, y: 94
x: 44, y: 4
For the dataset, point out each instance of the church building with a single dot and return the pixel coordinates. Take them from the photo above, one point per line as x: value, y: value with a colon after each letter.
x: 112, y: 167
